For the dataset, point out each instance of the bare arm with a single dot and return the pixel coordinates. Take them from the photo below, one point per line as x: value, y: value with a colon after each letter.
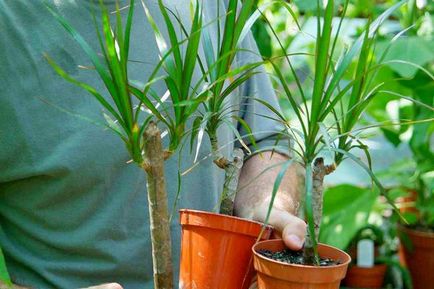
x: 254, y: 196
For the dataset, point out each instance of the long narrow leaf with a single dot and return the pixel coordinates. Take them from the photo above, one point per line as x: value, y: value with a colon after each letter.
x: 276, y: 186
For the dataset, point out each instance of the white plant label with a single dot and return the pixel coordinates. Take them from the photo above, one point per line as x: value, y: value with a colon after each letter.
x: 365, y: 253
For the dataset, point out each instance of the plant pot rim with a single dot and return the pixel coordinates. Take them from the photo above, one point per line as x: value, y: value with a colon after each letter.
x: 343, y: 264
x: 415, y: 231
x: 223, y: 215
x: 251, y: 227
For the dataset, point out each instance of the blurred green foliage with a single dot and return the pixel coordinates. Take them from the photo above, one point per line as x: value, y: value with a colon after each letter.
x: 346, y: 211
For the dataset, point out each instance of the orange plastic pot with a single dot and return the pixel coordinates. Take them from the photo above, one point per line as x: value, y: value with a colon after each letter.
x: 216, y: 250
x: 419, y: 256
x: 278, y: 275
x: 360, y: 277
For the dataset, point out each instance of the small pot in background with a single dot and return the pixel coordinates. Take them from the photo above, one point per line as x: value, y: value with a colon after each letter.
x: 361, y: 277
x: 418, y: 249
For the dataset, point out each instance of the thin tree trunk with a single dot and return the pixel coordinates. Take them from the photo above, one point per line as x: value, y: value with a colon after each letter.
x: 232, y: 175
x: 158, y: 209
x: 318, y: 173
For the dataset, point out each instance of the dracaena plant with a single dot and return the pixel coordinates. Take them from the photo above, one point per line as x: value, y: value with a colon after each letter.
x: 220, y: 79
x: 223, y: 77
x: 328, y: 118
x: 132, y: 112
x: 219, y: 61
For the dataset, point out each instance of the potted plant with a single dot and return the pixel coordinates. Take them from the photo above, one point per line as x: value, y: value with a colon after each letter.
x: 127, y: 118
x: 328, y: 116
x: 369, y: 275
x: 417, y: 237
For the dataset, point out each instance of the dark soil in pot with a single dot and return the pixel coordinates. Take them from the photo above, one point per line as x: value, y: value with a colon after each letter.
x: 295, y: 257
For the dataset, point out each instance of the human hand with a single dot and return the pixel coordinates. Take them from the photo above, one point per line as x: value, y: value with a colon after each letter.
x: 254, y: 196
x: 287, y: 226
x: 106, y: 286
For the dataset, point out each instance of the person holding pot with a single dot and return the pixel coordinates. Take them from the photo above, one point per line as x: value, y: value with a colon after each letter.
x: 72, y: 210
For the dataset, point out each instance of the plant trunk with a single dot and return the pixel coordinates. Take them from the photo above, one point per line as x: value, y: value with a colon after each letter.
x: 318, y: 174
x: 158, y: 209
x: 232, y: 175
x: 218, y: 157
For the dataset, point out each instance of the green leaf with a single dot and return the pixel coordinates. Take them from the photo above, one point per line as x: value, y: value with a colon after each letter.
x: 113, y: 125
x: 237, y: 135
x: 195, y: 131
x: 128, y: 30
x: 208, y: 50
x: 373, y: 178
x: 88, y: 50
x: 148, y: 103
x: 391, y: 135
x: 276, y: 185
x: 340, y: 226
x: 88, y: 88
x: 321, y: 63
x: 200, y: 133
x: 289, y: 95
x: 192, y: 50
x: 174, y: 42
x: 118, y: 74
x: 413, y: 49
x: 247, y: 128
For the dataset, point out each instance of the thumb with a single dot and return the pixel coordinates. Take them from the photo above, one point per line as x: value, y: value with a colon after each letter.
x: 293, y: 234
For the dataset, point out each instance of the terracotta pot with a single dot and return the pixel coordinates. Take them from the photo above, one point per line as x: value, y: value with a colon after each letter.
x: 419, y: 256
x: 216, y: 250
x: 360, y: 277
x: 278, y: 275
x: 407, y: 204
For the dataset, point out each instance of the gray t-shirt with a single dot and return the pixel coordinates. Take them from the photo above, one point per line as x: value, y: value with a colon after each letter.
x: 73, y: 212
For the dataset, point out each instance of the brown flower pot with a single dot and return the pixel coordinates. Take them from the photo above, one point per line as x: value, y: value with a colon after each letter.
x: 419, y: 256
x: 360, y: 277
x: 216, y: 250
x: 278, y: 275
x: 406, y: 204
